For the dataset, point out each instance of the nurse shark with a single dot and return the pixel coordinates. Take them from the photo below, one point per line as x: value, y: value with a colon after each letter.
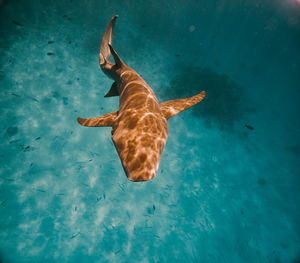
x: 139, y: 127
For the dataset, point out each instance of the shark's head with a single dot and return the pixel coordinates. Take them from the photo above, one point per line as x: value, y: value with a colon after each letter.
x: 140, y: 153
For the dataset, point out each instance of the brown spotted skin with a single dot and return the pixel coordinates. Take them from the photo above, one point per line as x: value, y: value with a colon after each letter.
x: 139, y: 128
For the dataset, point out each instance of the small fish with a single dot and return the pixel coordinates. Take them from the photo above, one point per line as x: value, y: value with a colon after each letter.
x: 50, y: 41
x: 249, y: 127
x: 17, y: 23
x: 34, y: 99
x: 261, y: 181
x: 50, y: 53
x: 13, y: 141
x: 75, y: 235
x: 151, y: 211
x: 3, y: 202
x: 14, y: 94
x: 9, y: 179
x: 65, y: 101
x: 128, y: 214
x: 26, y: 148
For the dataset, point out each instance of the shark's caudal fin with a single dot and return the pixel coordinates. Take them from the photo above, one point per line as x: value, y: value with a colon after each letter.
x: 110, y: 69
x: 106, y: 41
x: 101, y: 121
x: 172, y: 107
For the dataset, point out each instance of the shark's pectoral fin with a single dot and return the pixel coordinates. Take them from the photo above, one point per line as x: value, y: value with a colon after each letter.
x: 113, y: 90
x: 172, y: 107
x: 101, y: 121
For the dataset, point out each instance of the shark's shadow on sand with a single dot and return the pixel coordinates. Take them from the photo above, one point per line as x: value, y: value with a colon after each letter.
x: 225, y: 103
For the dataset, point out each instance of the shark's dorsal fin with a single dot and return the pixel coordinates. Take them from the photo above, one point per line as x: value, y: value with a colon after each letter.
x: 172, y: 107
x: 106, y: 120
x: 113, y: 90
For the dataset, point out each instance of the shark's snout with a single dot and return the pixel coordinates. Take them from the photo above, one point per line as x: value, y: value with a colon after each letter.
x: 140, y: 177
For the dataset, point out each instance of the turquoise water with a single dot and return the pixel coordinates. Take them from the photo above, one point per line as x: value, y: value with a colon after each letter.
x: 227, y: 189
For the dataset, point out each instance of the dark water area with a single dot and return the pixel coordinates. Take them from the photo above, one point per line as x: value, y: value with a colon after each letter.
x: 227, y: 188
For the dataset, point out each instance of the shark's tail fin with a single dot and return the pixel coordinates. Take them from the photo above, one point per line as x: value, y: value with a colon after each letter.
x: 106, y: 50
x: 106, y: 41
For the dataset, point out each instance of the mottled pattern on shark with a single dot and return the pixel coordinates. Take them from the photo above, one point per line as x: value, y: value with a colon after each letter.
x: 139, y: 127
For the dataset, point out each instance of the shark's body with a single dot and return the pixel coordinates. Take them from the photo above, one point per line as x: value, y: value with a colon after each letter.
x: 139, y: 128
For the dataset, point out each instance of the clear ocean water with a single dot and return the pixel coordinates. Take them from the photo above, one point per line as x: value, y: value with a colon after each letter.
x: 227, y: 189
